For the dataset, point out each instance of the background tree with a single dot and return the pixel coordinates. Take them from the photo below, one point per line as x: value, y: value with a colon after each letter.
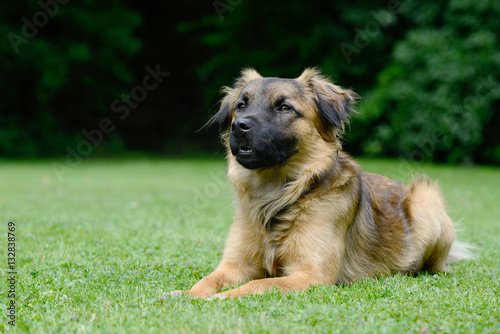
x: 58, y: 74
x: 427, y: 71
x: 439, y: 96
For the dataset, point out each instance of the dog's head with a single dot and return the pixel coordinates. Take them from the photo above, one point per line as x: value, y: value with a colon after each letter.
x: 264, y: 120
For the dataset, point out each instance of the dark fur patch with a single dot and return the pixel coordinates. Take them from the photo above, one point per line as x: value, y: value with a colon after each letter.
x: 223, y: 117
x: 334, y: 114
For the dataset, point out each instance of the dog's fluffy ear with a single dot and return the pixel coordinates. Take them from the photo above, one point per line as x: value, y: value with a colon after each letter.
x: 225, y: 114
x: 334, y: 104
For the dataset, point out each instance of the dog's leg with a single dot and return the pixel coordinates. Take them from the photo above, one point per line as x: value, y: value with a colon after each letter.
x: 296, y: 282
x: 312, y: 259
x: 432, y: 228
x: 226, y: 274
x: 239, y: 263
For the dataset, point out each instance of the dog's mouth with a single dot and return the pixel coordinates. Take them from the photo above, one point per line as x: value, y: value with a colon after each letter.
x: 245, y: 150
x: 261, y: 151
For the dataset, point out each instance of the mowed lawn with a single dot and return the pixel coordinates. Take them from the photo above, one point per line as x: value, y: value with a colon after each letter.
x: 99, y: 250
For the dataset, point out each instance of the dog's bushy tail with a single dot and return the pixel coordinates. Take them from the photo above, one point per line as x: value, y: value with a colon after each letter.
x: 460, y: 251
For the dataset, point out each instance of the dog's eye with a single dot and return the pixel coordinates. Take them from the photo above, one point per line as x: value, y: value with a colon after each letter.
x: 241, y: 106
x: 284, y: 107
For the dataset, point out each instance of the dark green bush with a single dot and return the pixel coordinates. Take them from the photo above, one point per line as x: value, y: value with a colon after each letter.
x: 60, y: 63
x: 428, y: 71
x: 438, y: 97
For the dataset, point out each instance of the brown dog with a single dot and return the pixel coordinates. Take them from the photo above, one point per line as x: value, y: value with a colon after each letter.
x: 306, y: 213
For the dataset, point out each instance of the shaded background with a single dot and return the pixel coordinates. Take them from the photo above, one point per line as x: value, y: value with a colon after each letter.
x: 428, y: 72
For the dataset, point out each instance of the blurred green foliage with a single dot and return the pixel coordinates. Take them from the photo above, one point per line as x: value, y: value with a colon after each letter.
x: 60, y: 63
x: 438, y: 98
x: 428, y: 71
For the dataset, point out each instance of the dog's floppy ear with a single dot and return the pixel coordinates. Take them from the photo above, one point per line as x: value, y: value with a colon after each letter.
x: 334, y: 104
x: 225, y: 114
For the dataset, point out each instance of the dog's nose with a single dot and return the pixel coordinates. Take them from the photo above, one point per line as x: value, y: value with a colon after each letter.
x: 242, y: 125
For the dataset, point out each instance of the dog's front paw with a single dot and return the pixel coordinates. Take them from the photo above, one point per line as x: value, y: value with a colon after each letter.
x: 188, y: 293
x: 178, y: 293
x: 217, y: 296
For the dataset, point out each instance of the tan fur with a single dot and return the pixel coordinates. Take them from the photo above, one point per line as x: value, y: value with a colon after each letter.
x: 348, y: 225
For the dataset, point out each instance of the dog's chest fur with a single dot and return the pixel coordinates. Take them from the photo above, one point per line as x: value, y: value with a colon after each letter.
x: 272, y: 252
x: 276, y: 244
x: 284, y: 203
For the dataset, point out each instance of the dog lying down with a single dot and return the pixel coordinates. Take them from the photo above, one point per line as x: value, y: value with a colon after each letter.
x: 305, y: 211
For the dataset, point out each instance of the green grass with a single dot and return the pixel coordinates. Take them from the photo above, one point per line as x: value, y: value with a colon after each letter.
x: 99, y: 252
